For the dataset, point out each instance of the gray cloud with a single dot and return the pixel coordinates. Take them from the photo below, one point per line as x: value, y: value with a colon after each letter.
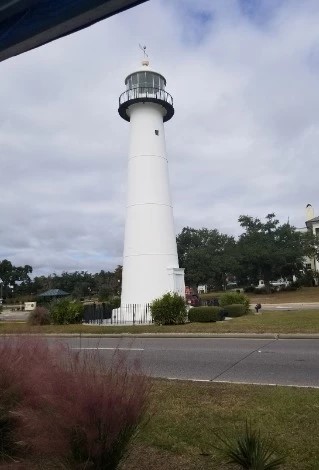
x: 243, y: 140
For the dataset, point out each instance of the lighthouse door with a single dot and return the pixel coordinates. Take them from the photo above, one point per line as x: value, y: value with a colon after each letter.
x: 176, y: 280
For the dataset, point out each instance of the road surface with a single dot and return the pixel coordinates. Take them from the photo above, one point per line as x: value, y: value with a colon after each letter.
x: 261, y: 361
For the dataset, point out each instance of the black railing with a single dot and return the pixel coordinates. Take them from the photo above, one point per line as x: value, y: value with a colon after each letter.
x: 132, y: 314
x: 145, y: 92
x: 97, y: 313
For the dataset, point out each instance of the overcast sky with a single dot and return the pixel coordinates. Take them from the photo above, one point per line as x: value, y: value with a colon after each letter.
x: 244, y: 139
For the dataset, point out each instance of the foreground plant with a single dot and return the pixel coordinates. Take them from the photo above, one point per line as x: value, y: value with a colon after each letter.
x: 73, y: 408
x: 250, y: 450
x: 170, y: 309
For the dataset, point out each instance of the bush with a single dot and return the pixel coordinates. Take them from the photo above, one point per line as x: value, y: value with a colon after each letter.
x: 65, y: 312
x: 205, y: 314
x: 230, y: 298
x: 113, y: 302
x: 235, y: 310
x: 249, y: 289
x: 39, y: 316
x: 57, y: 406
x: 170, y: 309
x: 210, y: 296
x: 291, y: 288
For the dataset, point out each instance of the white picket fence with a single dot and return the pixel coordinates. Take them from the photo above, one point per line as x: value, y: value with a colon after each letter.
x: 132, y: 314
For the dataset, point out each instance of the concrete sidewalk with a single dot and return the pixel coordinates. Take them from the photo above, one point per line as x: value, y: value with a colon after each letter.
x: 288, y: 306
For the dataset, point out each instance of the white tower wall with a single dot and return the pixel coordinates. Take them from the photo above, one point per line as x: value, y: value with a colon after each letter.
x: 150, y: 262
x: 150, y: 250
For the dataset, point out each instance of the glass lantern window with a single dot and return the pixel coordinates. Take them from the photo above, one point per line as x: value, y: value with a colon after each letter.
x: 145, y: 80
x: 134, y: 82
x: 156, y: 81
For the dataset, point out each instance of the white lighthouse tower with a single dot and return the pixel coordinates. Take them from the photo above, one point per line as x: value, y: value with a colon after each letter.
x: 150, y: 261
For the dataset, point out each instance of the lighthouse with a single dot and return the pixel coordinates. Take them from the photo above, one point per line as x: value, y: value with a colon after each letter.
x: 150, y: 261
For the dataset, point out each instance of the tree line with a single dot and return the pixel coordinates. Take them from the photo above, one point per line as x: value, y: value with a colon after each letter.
x: 265, y: 250
x: 16, y: 282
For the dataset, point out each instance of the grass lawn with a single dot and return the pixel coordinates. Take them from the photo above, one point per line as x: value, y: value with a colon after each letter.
x: 302, y: 321
x: 305, y: 294
x: 184, y: 416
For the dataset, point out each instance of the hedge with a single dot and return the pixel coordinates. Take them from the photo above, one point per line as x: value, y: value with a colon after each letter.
x: 205, y: 314
x: 231, y: 298
x: 235, y: 310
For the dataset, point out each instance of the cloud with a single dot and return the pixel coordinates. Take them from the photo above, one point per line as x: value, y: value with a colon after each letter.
x: 243, y: 140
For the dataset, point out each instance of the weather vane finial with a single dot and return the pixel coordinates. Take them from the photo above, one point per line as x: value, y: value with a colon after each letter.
x: 143, y: 48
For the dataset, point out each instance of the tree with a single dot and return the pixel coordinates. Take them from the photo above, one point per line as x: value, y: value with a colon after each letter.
x: 207, y: 256
x: 10, y: 275
x: 268, y: 250
x: 79, y: 283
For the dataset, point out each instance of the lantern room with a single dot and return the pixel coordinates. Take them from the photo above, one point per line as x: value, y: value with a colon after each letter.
x: 144, y: 86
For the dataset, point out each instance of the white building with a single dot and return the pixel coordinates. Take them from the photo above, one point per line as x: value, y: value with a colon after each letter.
x: 202, y: 289
x: 150, y: 261
x: 312, y: 224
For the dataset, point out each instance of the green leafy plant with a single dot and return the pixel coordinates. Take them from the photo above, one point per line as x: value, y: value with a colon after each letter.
x: 170, y: 309
x: 230, y: 298
x: 39, y: 316
x: 250, y: 450
x: 113, y: 302
x: 235, y: 310
x: 65, y: 311
x: 205, y: 314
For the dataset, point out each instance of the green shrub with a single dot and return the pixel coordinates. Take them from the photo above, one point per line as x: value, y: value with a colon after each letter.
x: 65, y: 311
x: 265, y: 290
x: 170, y: 309
x: 205, y: 314
x: 291, y: 288
x: 39, y: 316
x: 250, y: 450
x: 230, y: 298
x: 210, y: 296
x: 249, y: 289
x: 113, y: 302
x: 235, y: 310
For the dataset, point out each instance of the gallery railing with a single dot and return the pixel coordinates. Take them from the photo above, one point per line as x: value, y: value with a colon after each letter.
x: 145, y: 92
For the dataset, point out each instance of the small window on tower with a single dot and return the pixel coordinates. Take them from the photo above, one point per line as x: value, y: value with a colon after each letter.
x: 156, y: 132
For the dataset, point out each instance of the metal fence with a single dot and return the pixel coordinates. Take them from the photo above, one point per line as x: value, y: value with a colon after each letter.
x: 130, y: 314
x: 97, y: 313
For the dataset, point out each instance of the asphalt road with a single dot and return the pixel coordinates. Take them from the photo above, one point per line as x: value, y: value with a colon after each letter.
x: 261, y: 361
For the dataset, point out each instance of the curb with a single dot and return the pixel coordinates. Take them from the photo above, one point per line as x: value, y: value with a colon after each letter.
x: 174, y: 335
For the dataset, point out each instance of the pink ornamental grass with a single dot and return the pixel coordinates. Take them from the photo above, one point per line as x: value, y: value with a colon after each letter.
x: 71, y: 407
